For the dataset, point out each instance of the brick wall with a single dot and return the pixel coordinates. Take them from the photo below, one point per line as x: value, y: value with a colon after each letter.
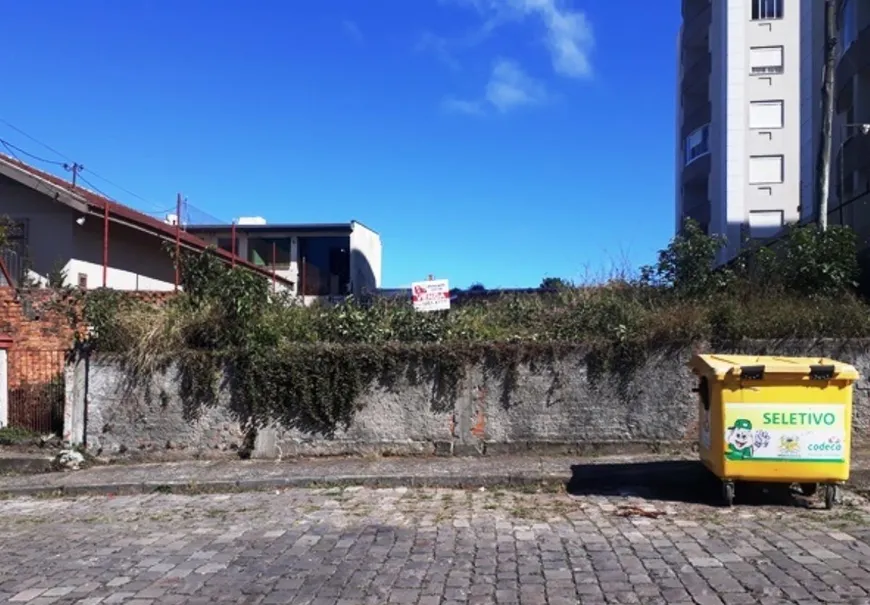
x: 35, y: 324
x: 39, y: 324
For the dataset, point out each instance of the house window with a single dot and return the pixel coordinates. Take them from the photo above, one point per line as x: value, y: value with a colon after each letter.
x: 764, y: 10
x: 697, y: 144
x: 765, y: 169
x: 765, y: 60
x: 226, y: 243
x: 261, y: 250
x: 765, y: 223
x: 83, y: 281
x: 324, y: 265
x: 765, y: 114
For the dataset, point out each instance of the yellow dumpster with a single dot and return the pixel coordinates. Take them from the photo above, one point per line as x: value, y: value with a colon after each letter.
x: 775, y: 420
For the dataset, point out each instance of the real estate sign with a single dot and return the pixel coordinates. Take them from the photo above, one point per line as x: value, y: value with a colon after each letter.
x: 431, y: 295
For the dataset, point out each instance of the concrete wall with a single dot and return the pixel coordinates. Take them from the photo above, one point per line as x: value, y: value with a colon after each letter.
x: 563, y: 406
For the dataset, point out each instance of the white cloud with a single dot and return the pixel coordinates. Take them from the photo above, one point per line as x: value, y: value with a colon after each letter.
x: 472, y: 108
x: 439, y: 46
x: 568, y: 33
x: 352, y: 30
x: 508, y: 88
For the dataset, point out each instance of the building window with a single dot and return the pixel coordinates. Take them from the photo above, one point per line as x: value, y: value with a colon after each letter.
x: 766, y: 169
x: 83, y: 281
x: 766, y: 60
x: 764, y: 10
x: 226, y: 243
x: 765, y: 223
x: 697, y: 144
x: 261, y: 250
x: 324, y: 265
x: 765, y: 115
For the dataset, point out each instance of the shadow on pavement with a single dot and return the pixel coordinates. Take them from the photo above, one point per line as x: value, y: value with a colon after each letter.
x: 674, y: 481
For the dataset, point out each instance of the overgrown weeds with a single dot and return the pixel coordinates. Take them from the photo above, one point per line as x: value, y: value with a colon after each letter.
x: 307, y: 366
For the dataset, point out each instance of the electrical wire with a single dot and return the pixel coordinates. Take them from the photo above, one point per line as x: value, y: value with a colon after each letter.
x: 35, y: 140
x: 10, y: 150
x: 94, y: 188
x: 9, y: 146
x: 64, y: 165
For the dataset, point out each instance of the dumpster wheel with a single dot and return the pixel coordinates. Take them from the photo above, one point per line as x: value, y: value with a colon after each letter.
x: 809, y: 489
x: 830, y: 496
x: 728, y: 493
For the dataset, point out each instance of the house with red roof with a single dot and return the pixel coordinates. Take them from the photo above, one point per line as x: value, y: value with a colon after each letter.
x: 97, y: 242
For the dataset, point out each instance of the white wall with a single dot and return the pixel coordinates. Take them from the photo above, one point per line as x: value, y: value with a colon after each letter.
x: 812, y: 31
x: 365, y: 258
x: 137, y: 260
x: 733, y: 87
x: 717, y: 184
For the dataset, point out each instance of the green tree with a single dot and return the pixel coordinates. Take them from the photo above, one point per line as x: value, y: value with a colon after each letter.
x: 688, y: 264
x: 814, y: 261
x: 554, y: 283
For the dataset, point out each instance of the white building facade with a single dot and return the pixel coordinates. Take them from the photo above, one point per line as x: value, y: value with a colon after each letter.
x: 748, y: 114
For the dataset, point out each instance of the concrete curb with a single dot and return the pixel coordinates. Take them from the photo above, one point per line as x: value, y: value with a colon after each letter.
x: 252, y: 485
x: 692, y: 473
x: 25, y: 465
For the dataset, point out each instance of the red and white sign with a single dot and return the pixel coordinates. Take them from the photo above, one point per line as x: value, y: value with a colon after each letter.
x: 431, y: 295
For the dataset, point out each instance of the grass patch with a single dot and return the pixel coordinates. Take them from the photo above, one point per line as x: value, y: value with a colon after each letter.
x: 10, y: 435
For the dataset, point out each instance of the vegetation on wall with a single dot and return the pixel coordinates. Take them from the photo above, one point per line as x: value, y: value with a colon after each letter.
x: 307, y: 366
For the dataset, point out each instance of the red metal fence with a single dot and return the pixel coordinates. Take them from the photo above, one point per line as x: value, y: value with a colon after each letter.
x: 36, y: 389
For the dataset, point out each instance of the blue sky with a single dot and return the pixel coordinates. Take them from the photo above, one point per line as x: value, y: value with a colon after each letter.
x: 493, y: 141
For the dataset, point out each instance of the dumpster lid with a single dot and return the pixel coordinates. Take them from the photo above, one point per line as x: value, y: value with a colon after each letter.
x: 721, y: 366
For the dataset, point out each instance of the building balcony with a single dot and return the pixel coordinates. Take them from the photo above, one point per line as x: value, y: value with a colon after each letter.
x: 695, y: 114
x: 696, y: 77
x: 696, y: 171
x: 854, y: 155
x: 692, y: 8
x: 696, y: 206
x: 696, y: 26
x: 854, y: 61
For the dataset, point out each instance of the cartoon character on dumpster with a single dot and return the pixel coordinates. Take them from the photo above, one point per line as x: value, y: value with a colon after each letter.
x: 740, y: 440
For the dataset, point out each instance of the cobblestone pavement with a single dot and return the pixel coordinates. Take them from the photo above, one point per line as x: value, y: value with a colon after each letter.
x: 356, y: 546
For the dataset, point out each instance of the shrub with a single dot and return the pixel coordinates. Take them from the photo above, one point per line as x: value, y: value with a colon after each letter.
x: 307, y: 366
x: 688, y: 264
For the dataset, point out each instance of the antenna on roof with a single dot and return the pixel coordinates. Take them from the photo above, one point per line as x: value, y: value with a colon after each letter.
x: 75, y: 168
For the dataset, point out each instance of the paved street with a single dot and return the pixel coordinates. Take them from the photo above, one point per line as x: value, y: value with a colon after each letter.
x: 425, y: 547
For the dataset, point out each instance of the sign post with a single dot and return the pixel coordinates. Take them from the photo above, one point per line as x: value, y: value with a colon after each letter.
x: 431, y: 295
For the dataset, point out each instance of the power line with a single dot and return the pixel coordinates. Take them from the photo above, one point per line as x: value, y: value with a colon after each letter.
x: 95, y: 189
x: 9, y: 146
x: 124, y: 189
x: 75, y: 166
x: 10, y: 150
x: 35, y: 140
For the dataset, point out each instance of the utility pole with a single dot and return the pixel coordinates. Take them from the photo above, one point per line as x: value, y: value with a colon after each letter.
x: 75, y: 168
x: 177, y: 240
x: 824, y: 176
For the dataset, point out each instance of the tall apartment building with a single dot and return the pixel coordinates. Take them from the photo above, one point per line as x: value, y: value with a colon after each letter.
x: 748, y: 112
x: 850, y: 181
